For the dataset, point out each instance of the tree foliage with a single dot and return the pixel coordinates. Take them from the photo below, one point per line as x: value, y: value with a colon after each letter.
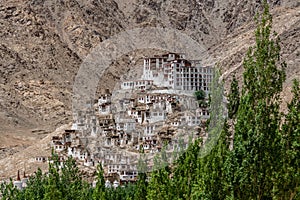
x: 200, y: 95
x: 233, y: 98
x: 288, y: 186
x: 141, y: 186
x: 256, y: 160
x: 99, y: 191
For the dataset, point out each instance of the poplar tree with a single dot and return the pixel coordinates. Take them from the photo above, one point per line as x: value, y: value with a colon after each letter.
x: 185, y: 171
x: 53, y: 184
x: 256, y: 156
x: 160, y: 184
x: 289, y: 185
x: 99, y: 191
x: 211, y: 174
x: 141, y: 186
x: 233, y: 98
x: 35, y: 186
x: 159, y: 187
x: 71, y: 180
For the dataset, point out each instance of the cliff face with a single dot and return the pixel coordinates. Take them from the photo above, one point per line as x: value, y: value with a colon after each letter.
x: 43, y: 43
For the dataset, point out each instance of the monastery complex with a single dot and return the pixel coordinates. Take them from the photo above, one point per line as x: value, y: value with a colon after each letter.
x: 158, y: 110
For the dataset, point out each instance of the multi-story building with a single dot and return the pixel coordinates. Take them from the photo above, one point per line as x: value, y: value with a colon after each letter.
x: 172, y: 70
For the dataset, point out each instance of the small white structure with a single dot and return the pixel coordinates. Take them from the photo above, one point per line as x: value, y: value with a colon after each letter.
x: 116, y: 184
x: 104, y: 98
x: 191, y: 119
x: 58, y: 146
x: 24, y: 180
x: 88, y: 162
x: 40, y: 159
x: 129, y: 175
x: 107, y: 184
x: 18, y: 183
x: 61, y: 161
x: 94, y: 131
x: 74, y: 126
x: 94, y: 183
x: 105, y: 109
x: 157, y: 115
x: 149, y: 129
x: 78, y: 152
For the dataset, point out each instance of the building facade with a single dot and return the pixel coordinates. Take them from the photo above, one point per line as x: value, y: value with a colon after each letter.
x: 172, y: 70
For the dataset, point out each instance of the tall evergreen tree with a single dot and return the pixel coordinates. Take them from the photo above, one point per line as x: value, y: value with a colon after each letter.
x: 53, y: 185
x: 86, y: 191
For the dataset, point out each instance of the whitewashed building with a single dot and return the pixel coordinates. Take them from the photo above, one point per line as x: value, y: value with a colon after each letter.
x: 137, y: 84
x: 172, y: 70
x: 104, y: 98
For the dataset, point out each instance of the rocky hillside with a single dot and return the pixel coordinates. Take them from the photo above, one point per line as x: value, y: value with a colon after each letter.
x: 43, y: 43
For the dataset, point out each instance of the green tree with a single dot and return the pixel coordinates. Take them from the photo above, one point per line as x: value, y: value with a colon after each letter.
x: 200, y: 96
x: 141, y: 186
x: 233, y: 98
x: 86, y: 191
x: 288, y: 186
x: 36, y: 186
x: 8, y: 191
x: 160, y: 184
x: 256, y: 161
x: 53, y: 184
x: 99, y: 191
x: 64, y: 180
x: 211, y: 172
x: 185, y: 171
x: 71, y: 180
